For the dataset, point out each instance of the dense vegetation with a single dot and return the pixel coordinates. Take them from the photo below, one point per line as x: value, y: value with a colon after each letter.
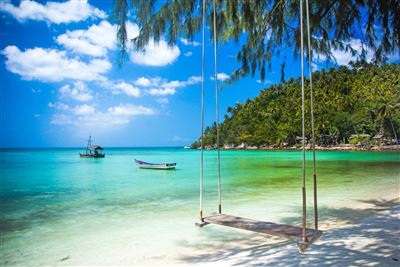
x: 363, y: 99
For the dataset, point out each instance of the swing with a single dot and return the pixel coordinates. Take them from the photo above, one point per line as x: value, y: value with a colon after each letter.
x: 305, y: 235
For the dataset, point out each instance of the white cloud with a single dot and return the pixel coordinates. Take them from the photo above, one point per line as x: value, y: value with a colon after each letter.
x: 314, y: 66
x: 79, y: 91
x: 159, y: 82
x: 96, y: 40
x: 61, y: 119
x: 173, y: 84
x: 188, y: 54
x: 127, y: 89
x: 143, y: 81
x: 52, y: 65
x: 102, y: 120
x: 265, y: 82
x: 132, y: 30
x: 86, y: 116
x: 52, y: 12
x: 221, y: 76
x: 130, y: 110
x: 83, y: 110
x: 193, y: 80
x: 121, y: 86
x: 59, y: 106
x: 93, y: 42
x: 162, y: 91
x: 155, y: 54
x: 187, y: 42
x: 162, y: 101
x: 342, y: 57
x: 36, y: 115
x: 162, y: 87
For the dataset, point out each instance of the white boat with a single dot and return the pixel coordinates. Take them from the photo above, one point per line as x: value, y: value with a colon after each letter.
x: 155, y: 166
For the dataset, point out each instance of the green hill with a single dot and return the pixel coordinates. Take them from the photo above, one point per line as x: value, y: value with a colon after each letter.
x: 363, y: 99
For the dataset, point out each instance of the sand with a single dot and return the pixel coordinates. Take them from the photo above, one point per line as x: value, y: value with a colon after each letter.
x: 365, y: 235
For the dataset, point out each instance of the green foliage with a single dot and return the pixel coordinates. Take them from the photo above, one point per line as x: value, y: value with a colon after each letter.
x: 267, y: 26
x: 362, y: 100
x: 360, y: 139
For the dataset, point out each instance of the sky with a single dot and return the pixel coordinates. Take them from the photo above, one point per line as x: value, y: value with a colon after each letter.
x: 61, y: 82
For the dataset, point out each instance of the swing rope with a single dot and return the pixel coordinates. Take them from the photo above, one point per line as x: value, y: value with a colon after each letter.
x: 304, y: 215
x: 304, y: 235
x: 312, y: 118
x: 216, y: 106
x: 202, y: 114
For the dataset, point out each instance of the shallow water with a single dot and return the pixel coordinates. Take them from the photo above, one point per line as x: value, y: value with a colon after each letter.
x: 59, y: 209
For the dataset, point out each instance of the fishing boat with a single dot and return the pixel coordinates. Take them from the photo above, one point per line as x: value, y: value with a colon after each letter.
x: 155, y: 166
x: 92, y: 151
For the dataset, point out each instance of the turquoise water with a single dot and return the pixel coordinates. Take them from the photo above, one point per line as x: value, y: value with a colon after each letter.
x: 59, y: 209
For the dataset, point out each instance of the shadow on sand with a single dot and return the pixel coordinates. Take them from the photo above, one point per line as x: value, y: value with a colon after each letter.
x: 366, y: 237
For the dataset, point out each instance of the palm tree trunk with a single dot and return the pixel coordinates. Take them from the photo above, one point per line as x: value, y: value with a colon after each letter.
x: 394, y: 131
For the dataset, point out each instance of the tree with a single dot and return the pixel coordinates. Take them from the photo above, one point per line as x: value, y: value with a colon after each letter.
x: 267, y: 26
x: 357, y: 101
x: 386, y: 109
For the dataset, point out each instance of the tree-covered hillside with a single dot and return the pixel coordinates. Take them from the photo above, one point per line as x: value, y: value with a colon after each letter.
x: 363, y: 99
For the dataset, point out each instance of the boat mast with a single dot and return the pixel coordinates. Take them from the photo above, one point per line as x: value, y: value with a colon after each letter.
x: 88, y: 145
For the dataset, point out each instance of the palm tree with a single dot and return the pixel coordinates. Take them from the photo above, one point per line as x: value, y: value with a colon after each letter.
x: 266, y: 27
x: 386, y: 109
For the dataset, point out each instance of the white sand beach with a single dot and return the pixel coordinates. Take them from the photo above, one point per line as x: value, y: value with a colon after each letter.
x: 366, y: 235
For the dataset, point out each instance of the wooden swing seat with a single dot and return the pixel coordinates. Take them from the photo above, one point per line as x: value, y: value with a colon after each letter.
x: 283, y: 230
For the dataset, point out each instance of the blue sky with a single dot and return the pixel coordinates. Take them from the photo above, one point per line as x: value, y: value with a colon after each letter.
x: 60, y: 80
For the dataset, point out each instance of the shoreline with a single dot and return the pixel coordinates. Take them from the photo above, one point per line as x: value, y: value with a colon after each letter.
x: 347, y: 147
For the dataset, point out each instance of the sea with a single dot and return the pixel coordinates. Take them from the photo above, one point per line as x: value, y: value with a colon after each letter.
x: 58, y: 209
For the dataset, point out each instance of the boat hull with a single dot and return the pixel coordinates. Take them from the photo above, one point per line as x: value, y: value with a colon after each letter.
x: 153, y: 166
x: 91, y: 155
x: 157, y: 167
